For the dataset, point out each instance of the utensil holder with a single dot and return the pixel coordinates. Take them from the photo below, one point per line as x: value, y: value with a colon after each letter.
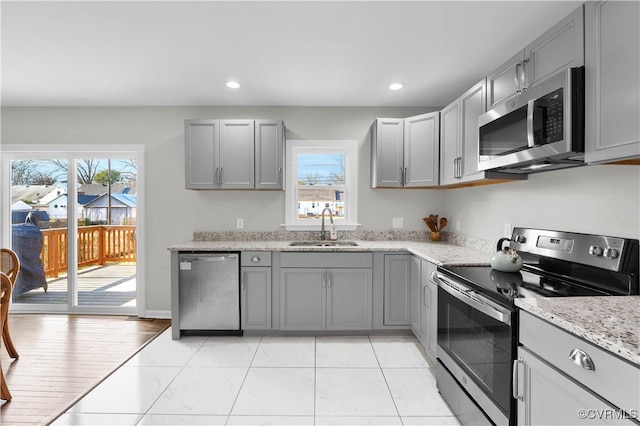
x: 436, y: 236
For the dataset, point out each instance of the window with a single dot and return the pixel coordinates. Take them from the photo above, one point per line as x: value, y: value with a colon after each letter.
x: 320, y: 175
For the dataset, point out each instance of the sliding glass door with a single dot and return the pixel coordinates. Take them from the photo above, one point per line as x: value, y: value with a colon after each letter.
x: 74, y: 225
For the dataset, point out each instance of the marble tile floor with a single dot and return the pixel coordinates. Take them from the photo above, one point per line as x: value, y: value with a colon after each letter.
x: 250, y: 380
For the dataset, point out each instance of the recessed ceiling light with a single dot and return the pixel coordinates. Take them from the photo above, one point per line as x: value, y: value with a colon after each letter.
x: 396, y: 86
x: 233, y: 84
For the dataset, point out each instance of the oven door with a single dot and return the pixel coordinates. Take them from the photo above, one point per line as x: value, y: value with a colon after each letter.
x: 477, y: 337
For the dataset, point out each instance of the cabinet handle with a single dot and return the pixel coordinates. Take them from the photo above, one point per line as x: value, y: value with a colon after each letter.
x: 220, y: 175
x: 255, y: 259
x: 244, y: 279
x: 460, y: 167
x: 524, y: 86
x: 329, y: 279
x: 404, y: 178
x: 324, y: 279
x: 401, y: 177
x: 515, y: 391
x: 581, y: 359
x: 424, y: 296
x: 280, y: 175
x: 455, y: 167
x: 517, y: 78
x: 216, y: 177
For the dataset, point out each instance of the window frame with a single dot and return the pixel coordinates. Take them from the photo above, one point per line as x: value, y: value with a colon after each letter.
x: 350, y: 150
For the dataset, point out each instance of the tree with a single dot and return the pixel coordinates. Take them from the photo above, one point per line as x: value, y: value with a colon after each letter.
x: 103, y: 177
x: 21, y: 171
x: 86, y: 168
x: 42, y: 178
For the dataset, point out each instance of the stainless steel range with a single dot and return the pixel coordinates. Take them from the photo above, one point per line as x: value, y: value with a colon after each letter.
x: 477, y: 317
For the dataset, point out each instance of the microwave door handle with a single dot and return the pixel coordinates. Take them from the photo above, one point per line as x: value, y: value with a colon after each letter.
x: 530, y: 108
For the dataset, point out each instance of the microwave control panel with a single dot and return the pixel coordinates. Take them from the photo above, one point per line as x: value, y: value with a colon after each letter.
x: 548, y: 118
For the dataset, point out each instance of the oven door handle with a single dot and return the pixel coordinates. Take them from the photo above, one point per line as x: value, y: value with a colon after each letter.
x: 472, y: 298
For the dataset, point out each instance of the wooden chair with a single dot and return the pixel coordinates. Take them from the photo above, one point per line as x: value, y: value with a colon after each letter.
x: 10, y: 266
x: 5, y: 296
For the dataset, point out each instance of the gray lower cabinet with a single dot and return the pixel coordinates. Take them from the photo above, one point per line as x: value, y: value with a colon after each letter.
x: 397, y: 289
x: 326, y: 291
x: 612, y: 97
x: 255, y: 290
x: 555, y: 368
x: 331, y: 299
x: 256, y: 298
x: 416, y: 297
x: 428, y: 309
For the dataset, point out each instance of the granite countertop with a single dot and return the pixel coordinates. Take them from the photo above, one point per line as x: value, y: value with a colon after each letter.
x: 610, y: 322
x: 440, y: 253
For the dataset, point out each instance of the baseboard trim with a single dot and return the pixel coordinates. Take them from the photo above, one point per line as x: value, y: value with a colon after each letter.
x: 157, y: 314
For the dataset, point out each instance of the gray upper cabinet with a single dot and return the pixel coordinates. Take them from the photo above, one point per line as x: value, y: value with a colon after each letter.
x: 269, y: 154
x: 561, y: 47
x: 459, y: 140
x: 421, y: 150
x: 405, y: 151
x: 236, y: 166
x: 612, y: 97
x: 505, y: 82
x: 387, y: 153
x: 202, y: 138
x: 234, y: 154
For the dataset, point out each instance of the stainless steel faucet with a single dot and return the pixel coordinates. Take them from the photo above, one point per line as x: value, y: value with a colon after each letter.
x: 323, y: 232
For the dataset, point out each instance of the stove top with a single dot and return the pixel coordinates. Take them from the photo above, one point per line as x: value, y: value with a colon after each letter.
x: 504, y: 287
x: 558, y: 264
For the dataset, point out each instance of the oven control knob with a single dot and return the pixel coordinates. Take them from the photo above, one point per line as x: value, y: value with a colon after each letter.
x: 520, y: 239
x: 595, y: 251
x: 611, y: 253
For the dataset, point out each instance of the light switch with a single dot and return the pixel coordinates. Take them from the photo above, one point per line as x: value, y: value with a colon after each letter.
x: 239, y: 223
x: 398, y: 222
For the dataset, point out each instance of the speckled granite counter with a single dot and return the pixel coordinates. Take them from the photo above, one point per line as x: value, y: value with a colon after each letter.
x: 440, y: 253
x: 613, y: 323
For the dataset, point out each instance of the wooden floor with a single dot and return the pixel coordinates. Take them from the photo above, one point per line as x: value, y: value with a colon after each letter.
x: 64, y: 356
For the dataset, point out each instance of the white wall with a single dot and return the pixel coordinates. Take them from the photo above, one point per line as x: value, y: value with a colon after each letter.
x: 603, y: 199
x: 174, y: 213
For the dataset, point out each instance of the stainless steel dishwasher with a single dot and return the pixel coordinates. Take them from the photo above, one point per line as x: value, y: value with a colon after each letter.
x: 209, y: 293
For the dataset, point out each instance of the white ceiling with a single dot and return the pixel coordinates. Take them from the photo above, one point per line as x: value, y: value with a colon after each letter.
x: 325, y: 53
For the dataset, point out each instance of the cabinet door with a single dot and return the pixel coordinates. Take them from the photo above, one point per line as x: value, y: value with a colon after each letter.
x: 612, y: 97
x: 416, y: 296
x: 349, y: 299
x: 256, y: 298
x: 449, y: 143
x: 548, y: 397
x: 397, y: 289
x: 236, y: 154
x: 269, y: 154
x: 506, y: 81
x: 201, y: 144
x: 421, y: 150
x: 472, y: 105
x: 559, y: 48
x: 387, y: 166
x: 302, y: 299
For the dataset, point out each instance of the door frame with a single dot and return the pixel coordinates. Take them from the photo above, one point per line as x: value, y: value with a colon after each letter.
x: 10, y: 152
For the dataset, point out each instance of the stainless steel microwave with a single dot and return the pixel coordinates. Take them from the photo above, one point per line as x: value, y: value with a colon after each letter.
x: 540, y: 129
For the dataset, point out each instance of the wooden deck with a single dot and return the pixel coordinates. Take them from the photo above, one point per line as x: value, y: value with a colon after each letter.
x: 62, y: 357
x: 110, y: 285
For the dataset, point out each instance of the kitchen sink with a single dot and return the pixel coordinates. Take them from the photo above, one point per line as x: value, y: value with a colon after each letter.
x: 322, y: 243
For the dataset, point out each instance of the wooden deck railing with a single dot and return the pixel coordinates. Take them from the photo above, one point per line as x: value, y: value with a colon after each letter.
x: 97, y: 245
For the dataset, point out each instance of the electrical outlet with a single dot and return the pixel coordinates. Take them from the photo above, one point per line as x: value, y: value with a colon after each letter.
x: 457, y: 227
x: 507, y: 229
x: 239, y: 223
x: 398, y: 222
